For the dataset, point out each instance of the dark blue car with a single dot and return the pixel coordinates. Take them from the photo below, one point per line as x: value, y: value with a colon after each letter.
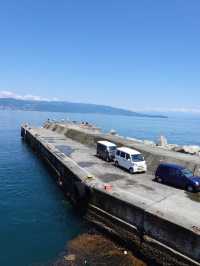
x: 177, y: 176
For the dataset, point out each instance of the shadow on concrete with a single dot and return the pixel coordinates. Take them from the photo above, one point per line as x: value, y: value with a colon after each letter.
x: 85, y: 164
x: 109, y: 177
x: 193, y: 196
x: 67, y: 150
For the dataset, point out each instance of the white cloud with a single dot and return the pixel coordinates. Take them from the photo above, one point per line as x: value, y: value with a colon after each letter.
x: 13, y: 95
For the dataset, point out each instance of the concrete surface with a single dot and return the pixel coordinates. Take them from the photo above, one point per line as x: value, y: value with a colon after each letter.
x: 166, y: 219
x: 173, y: 204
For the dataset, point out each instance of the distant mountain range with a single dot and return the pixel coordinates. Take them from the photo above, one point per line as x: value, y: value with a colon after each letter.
x: 66, y: 107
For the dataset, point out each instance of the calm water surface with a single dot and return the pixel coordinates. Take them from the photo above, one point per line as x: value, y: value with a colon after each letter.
x: 36, y: 221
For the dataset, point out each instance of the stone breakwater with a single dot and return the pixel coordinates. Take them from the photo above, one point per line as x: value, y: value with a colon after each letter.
x: 163, y: 144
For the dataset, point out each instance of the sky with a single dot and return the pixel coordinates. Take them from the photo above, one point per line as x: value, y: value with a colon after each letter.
x: 135, y: 54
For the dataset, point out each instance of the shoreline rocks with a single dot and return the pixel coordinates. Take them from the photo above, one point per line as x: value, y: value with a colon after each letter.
x: 163, y: 144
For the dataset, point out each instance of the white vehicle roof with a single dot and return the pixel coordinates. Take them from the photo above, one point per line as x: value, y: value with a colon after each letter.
x: 128, y: 150
x: 106, y: 143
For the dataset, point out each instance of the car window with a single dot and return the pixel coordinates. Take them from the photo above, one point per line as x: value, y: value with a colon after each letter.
x: 175, y: 173
x: 179, y: 174
x: 187, y: 173
x: 118, y: 153
x: 123, y: 154
x: 128, y: 157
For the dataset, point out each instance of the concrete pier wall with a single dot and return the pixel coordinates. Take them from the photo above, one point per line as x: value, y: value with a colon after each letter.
x: 148, y: 226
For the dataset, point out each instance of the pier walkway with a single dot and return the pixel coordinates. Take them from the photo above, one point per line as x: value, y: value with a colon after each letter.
x: 174, y: 205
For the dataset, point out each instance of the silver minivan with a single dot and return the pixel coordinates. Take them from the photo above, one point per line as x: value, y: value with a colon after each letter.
x: 130, y: 159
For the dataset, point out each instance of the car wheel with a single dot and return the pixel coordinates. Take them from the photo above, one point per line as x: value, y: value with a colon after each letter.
x: 190, y: 188
x: 131, y: 171
x: 116, y: 163
x: 159, y: 179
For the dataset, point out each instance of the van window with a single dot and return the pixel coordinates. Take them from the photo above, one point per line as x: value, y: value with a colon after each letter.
x: 137, y: 158
x: 123, y: 154
x: 118, y: 153
x: 101, y: 147
x: 128, y: 157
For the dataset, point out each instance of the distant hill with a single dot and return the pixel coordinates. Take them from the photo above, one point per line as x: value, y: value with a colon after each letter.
x: 66, y: 107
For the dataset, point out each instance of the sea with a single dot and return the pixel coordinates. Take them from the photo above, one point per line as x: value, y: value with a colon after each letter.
x: 36, y: 221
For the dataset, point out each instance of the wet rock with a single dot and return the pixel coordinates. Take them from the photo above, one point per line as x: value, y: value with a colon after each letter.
x: 178, y: 149
x: 189, y: 149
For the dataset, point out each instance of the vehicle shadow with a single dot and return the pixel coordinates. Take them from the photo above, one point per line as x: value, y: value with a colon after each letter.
x: 193, y: 196
x: 166, y: 184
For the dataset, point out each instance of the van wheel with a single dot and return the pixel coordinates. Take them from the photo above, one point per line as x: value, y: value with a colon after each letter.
x: 190, y: 188
x: 116, y: 163
x: 131, y: 171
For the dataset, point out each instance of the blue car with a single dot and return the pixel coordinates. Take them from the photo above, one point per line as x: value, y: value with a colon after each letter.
x: 177, y: 176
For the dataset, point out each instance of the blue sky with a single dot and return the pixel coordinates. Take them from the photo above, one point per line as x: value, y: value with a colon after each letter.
x: 141, y: 55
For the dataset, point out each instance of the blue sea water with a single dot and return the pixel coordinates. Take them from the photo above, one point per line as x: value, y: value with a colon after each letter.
x: 35, y: 220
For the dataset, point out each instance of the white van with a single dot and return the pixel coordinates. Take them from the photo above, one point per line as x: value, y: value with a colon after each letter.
x: 130, y: 159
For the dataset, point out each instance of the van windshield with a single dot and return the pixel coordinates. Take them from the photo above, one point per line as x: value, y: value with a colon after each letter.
x: 137, y: 158
x: 187, y: 173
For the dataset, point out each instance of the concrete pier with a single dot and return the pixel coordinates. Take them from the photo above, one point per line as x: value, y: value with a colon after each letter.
x: 160, y: 221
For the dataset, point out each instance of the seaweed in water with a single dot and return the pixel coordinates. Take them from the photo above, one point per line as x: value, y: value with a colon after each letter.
x: 96, y: 250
